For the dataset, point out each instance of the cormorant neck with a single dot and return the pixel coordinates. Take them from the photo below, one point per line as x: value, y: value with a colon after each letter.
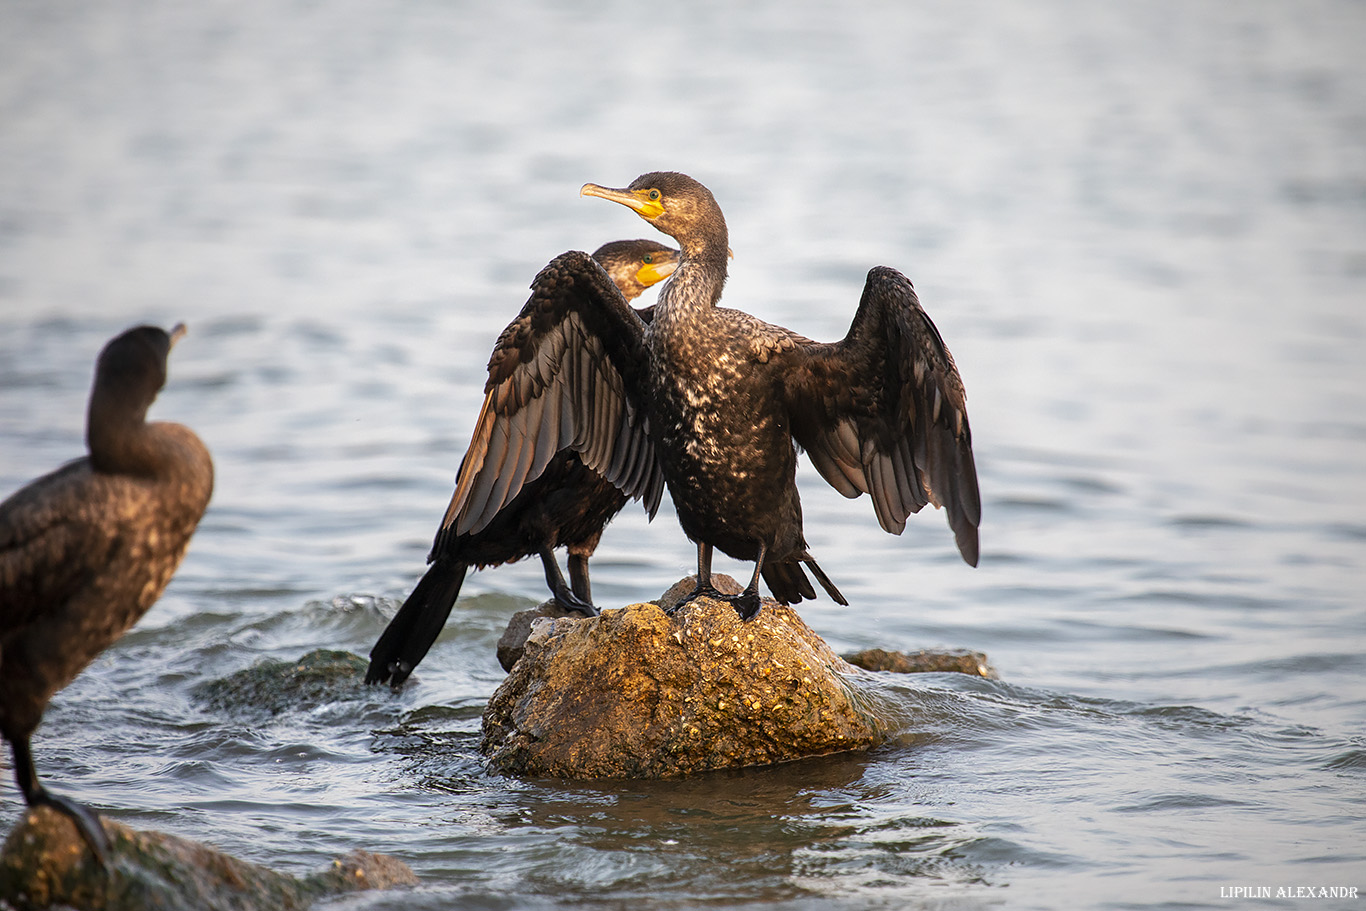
x: 695, y: 285
x: 119, y: 438
x: 705, y: 259
x: 710, y: 245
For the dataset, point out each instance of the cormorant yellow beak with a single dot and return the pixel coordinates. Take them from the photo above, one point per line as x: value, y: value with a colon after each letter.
x: 645, y: 203
x: 654, y: 273
x: 177, y: 333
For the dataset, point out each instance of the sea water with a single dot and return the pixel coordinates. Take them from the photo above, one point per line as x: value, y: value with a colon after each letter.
x: 1140, y: 227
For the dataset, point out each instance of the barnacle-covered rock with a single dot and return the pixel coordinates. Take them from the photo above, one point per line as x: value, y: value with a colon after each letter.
x: 637, y: 693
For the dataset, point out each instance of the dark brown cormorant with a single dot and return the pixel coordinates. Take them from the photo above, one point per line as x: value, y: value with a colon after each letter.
x: 717, y: 401
x: 567, y: 505
x: 87, y: 549
x: 881, y: 412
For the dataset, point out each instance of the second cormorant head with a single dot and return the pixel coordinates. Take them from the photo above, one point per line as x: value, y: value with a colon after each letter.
x: 634, y: 265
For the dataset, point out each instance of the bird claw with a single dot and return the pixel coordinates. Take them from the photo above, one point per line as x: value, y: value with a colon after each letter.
x: 575, y: 604
x: 86, y: 820
x: 701, y: 591
x: 747, y: 604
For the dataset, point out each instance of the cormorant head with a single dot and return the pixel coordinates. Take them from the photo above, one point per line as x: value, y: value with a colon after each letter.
x: 131, y: 370
x: 134, y: 362
x: 675, y: 204
x: 634, y: 265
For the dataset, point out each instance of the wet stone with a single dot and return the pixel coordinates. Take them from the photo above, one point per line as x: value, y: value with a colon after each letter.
x: 635, y: 693
x: 46, y: 864
x: 513, y: 641
x: 959, y: 661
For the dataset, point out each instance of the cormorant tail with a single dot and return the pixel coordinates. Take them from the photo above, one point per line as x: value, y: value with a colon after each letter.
x: 787, y: 582
x: 409, y: 636
x: 824, y: 580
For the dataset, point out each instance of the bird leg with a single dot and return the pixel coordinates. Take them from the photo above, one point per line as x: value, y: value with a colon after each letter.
x: 86, y: 820
x: 746, y: 603
x: 703, y: 588
x: 564, y: 597
x: 578, y: 577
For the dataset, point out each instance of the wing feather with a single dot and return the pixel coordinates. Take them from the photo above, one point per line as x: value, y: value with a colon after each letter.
x: 546, y: 433
x: 568, y: 373
x: 482, y: 483
x: 884, y: 412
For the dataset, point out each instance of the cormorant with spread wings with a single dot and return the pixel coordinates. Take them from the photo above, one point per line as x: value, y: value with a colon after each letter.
x: 717, y: 402
x: 882, y: 411
x: 562, y: 502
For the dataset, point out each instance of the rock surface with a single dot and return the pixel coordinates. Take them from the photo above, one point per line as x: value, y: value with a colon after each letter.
x: 960, y: 661
x: 512, y: 643
x: 635, y: 693
x: 46, y: 864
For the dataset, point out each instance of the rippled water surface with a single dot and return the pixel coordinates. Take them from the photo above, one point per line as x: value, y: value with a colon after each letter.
x: 1141, y: 227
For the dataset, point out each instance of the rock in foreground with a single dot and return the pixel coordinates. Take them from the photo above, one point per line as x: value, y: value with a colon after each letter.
x: 635, y: 693
x: 45, y: 864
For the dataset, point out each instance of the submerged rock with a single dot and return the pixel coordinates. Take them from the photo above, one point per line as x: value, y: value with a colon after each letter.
x: 322, y: 675
x: 46, y: 864
x: 959, y: 661
x: 636, y: 693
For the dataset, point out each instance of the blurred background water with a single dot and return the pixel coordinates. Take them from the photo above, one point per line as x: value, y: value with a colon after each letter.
x: 1141, y: 228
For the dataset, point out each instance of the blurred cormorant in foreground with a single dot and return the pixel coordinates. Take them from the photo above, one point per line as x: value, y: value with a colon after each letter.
x: 87, y: 549
x: 561, y: 502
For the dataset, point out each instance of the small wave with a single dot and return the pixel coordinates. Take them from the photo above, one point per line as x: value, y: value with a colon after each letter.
x: 1181, y: 801
x: 1353, y: 760
x: 1209, y: 522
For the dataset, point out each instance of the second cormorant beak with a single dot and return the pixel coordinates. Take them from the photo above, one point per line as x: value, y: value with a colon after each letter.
x: 645, y: 203
x: 177, y: 333
x: 654, y: 273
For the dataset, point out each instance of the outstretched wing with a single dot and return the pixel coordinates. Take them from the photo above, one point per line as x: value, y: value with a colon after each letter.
x: 883, y: 412
x: 568, y: 373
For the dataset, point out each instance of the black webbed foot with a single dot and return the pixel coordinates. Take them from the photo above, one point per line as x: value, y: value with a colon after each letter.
x: 578, y: 607
x: 567, y: 600
x: 701, y: 591
x: 560, y: 590
x: 86, y: 820
x: 747, y: 604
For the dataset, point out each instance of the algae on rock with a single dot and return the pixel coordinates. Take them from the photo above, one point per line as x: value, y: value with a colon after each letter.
x: 274, y: 687
x: 924, y: 661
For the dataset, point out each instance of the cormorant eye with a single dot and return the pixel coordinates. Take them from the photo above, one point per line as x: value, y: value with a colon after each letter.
x: 654, y: 195
x: 647, y: 259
